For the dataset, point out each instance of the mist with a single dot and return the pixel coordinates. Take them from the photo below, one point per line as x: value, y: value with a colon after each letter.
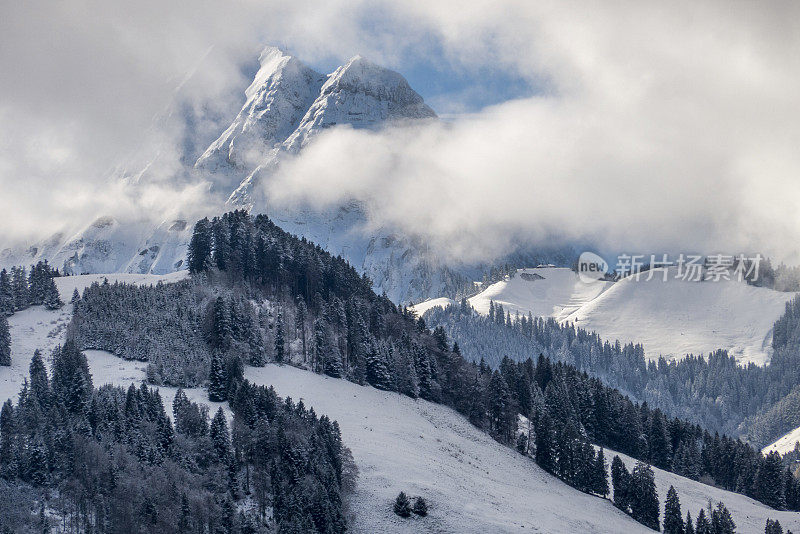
x: 653, y: 127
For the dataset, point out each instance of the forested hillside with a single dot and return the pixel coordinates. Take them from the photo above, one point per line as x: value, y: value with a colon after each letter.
x: 259, y: 294
x: 711, y: 390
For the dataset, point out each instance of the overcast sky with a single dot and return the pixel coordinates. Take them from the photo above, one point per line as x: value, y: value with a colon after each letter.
x: 638, y: 125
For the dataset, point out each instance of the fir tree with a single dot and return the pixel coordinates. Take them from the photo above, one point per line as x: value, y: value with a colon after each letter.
x: 688, y: 527
x: 300, y: 326
x: 184, y: 521
x: 621, y: 484
x: 200, y: 247
x: 217, y: 380
x: 76, y: 297
x: 644, y: 499
x: 280, y: 349
x: 773, y: 527
x: 40, y: 385
x: 5, y: 341
x: 220, y: 437
x: 702, y: 526
x: 420, y: 507
x: 673, y: 520
x: 600, y: 475
x: 721, y: 520
x: 52, y: 299
x: 6, y: 294
x: 402, y: 506
x: 768, y: 485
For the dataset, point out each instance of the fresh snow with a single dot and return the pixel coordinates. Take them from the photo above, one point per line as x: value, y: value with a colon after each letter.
x: 543, y: 292
x: 678, y: 317
x: 671, y: 318
x: 472, y: 483
x: 784, y: 444
x: 43, y: 329
x: 422, y: 307
x: 749, y: 515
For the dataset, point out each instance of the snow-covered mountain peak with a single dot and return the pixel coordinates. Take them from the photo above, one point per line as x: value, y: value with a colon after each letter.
x: 281, y: 92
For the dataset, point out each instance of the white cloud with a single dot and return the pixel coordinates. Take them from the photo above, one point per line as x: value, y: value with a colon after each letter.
x: 668, y: 126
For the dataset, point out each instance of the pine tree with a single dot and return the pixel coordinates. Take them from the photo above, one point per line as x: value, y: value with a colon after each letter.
x: 220, y: 437
x: 221, y: 329
x: 644, y: 499
x: 420, y: 507
x: 621, y: 484
x: 544, y: 444
x: 280, y: 349
x: 673, y: 520
x: 773, y: 527
x: 52, y: 299
x: 600, y: 475
x: 217, y: 379
x: 184, y: 522
x: 8, y: 463
x: 768, y: 484
x: 40, y: 385
x: 721, y: 520
x: 200, y: 246
x: 19, y: 282
x: 702, y: 526
x: 402, y: 506
x: 688, y: 528
x: 6, y: 294
x: 300, y: 326
x: 5, y: 341
x: 76, y: 297
x: 377, y: 371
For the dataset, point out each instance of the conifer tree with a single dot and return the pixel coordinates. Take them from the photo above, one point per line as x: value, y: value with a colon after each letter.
x: 420, y: 507
x: 768, y: 485
x: 52, y: 299
x: 5, y: 341
x: 8, y: 463
x: 76, y: 297
x: 644, y: 499
x: 673, y: 520
x: 217, y: 379
x: 184, y: 521
x: 220, y: 437
x: 221, y: 330
x: 300, y: 326
x: 544, y: 443
x: 703, y: 526
x: 402, y: 506
x: 721, y: 520
x: 621, y: 484
x: 6, y: 294
x: 40, y: 385
x: 773, y: 527
x: 688, y: 527
x: 200, y: 246
x: 19, y: 283
x: 280, y: 349
x: 600, y: 475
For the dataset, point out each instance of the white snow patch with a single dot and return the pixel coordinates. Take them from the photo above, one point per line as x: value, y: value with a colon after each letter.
x: 43, y: 329
x: 472, y: 483
x: 542, y: 291
x: 422, y: 307
x: 784, y: 444
x: 678, y: 317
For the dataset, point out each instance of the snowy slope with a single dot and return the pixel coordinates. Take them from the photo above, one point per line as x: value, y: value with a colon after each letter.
x: 39, y: 328
x: 544, y: 292
x: 678, y: 317
x: 110, y: 246
x: 671, y: 318
x: 422, y: 307
x: 472, y: 483
x: 785, y: 443
x: 749, y: 515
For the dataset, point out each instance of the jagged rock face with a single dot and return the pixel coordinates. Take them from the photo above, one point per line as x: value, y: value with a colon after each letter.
x: 282, y: 91
x: 361, y: 94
